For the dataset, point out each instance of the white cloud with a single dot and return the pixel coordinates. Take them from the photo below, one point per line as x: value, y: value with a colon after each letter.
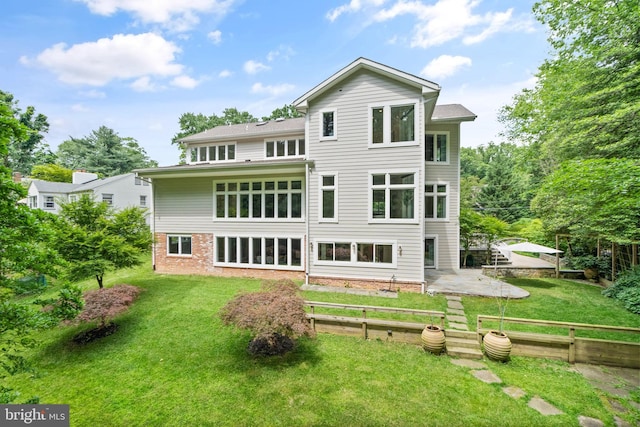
x: 185, y: 82
x: 179, y: 15
x: 254, y: 67
x: 96, y: 94
x: 438, y: 22
x: 224, y: 74
x: 215, y: 36
x: 351, y: 7
x: 276, y: 90
x: 121, y: 57
x: 143, y: 84
x: 79, y: 108
x: 444, y: 66
x: 283, y: 51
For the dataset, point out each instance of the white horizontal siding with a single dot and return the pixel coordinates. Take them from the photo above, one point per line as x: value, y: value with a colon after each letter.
x: 353, y: 160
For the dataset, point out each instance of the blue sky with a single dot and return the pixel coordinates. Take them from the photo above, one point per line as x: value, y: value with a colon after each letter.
x: 137, y: 65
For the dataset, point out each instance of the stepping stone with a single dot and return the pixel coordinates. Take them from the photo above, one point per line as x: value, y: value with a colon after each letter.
x: 459, y: 326
x: 589, y: 422
x: 620, y: 422
x: 456, y: 319
x: 515, y: 392
x: 486, y: 376
x: 453, y: 298
x: 466, y: 363
x: 455, y: 304
x: 544, y: 407
x: 455, y: 311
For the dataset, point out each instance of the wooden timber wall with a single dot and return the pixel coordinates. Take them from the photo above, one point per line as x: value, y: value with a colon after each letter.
x: 569, y: 347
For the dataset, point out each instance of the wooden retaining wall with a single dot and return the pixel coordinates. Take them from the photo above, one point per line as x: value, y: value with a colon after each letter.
x: 369, y: 328
x: 569, y: 347
x: 564, y: 347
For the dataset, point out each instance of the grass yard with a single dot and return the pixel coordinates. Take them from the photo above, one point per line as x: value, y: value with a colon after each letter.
x: 559, y: 300
x: 172, y: 363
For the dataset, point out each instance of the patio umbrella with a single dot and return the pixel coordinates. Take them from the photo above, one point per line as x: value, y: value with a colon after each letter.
x: 531, y: 247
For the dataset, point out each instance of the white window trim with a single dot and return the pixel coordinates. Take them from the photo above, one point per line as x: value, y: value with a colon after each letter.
x: 435, y: 258
x: 447, y: 195
x: 353, y: 245
x: 387, y: 205
x: 287, y: 155
x: 335, y: 125
x: 197, y: 149
x: 46, y: 201
x: 179, y: 254
x: 335, y: 196
x: 262, y: 218
x: 386, y: 127
x: 435, y: 134
x: 261, y: 266
x: 143, y: 198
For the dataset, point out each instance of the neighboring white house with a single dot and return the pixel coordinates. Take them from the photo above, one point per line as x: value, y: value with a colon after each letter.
x: 361, y: 191
x: 119, y: 191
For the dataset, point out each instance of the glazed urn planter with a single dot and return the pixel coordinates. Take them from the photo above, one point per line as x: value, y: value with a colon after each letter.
x: 433, y: 339
x: 497, y: 345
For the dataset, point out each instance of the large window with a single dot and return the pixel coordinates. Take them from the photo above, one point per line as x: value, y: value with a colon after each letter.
x: 436, y: 147
x: 178, y: 245
x: 33, y: 202
x: 393, y: 124
x: 212, y: 153
x: 273, y: 199
x: 285, y: 148
x: 328, y: 196
x: 436, y: 197
x: 393, y: 196
x: 373, y: 254
x: 49, y: 203
x: 328, y: 124
x: 260, y: 252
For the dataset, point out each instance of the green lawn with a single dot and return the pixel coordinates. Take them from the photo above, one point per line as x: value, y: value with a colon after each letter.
x: 172, y: 363
x: 559, y: 300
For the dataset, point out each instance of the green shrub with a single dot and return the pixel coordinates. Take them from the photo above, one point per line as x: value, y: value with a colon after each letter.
x: 627, y: 289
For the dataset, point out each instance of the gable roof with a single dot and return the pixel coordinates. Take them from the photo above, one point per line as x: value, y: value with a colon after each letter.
x: 52, y: 187
x: 65, y: 187
x: 428, y: 87
x: 248, y: 130
x: 452, y: 113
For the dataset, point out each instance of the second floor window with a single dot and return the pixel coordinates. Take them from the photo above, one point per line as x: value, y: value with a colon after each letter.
x: 435, y: 201
x: 328, y: 197
x: 143, y: 201
x: 212, y: 153
x: 393, y: 196
x: 285, y: 148
x: 328, y: 124
x: 393, y: 124
x: 436, y: 147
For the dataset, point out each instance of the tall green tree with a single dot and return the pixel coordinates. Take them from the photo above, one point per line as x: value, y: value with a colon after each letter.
x: 52, y: 172
x: 287, y: 111
x: 586, y: 102
x: 94, y: 239
x: 598, y: 197
x: 28, y: 148
x: 104, y: 152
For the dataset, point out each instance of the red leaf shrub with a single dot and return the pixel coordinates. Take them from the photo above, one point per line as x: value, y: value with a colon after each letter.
x: 106, y: 303
x: 274, y: 312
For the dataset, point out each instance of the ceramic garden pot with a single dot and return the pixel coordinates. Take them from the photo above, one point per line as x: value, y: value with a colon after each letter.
x: 497, y: 345
x: 433, y: 339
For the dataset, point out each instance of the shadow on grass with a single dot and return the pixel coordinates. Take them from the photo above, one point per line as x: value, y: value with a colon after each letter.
x: 305, y: 352
x: 532, y: 283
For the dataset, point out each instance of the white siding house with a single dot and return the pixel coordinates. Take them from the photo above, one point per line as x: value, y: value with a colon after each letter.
x: 363, y: 190
x: 118, y: 191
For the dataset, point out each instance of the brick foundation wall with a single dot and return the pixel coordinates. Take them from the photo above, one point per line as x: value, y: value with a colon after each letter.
x: 201, y: 261
x: 366, y: 284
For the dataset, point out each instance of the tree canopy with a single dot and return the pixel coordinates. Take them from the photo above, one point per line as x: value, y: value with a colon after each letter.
x: 104, y: 152
x: 586, y: 102
x: 93, y: 239
x: 52, y: 172
x: 27, y: 148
